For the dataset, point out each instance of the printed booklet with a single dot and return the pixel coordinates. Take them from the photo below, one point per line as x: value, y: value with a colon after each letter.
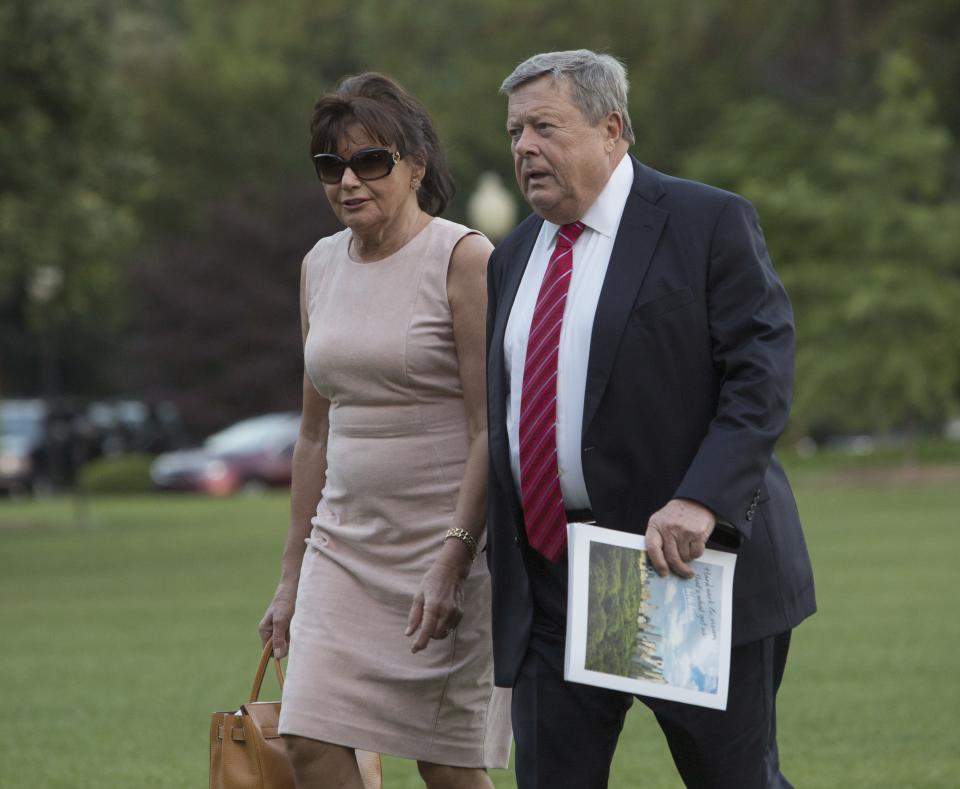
x: 629, y: 629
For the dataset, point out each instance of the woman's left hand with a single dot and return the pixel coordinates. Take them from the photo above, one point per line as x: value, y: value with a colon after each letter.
x: 438, y: 605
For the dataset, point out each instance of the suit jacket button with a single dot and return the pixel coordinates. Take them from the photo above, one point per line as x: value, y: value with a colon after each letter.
x: 516, y: 539
x: 749, y: 515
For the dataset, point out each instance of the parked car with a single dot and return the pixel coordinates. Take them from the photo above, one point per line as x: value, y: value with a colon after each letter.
x: 36, y: 446
x: 250, y: 455
x: 124, y: 426
x: 45, y: 442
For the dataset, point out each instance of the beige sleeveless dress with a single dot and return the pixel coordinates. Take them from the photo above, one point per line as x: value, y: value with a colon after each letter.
x: 380, y: 348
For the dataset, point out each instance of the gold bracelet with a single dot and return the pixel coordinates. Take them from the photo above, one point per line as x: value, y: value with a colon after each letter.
x: 466, y: 537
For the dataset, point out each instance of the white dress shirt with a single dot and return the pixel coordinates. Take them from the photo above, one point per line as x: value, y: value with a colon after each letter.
x: 591, y: 255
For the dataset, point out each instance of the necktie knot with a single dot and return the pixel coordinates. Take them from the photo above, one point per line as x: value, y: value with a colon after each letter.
x: 568, y: 234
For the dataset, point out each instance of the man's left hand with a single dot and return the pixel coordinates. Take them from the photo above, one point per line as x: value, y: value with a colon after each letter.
x: 677, y: 534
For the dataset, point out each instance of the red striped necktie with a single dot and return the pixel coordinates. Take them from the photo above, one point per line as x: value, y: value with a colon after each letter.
x: 543, y: 511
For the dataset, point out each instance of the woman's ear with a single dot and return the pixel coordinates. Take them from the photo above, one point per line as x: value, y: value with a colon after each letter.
x: 419, y: 167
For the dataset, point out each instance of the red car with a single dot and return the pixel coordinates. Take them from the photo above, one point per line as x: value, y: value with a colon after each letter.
x: 248, y: 456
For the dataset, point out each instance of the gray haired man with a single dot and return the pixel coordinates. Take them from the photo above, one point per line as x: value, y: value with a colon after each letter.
x: 640, y: 362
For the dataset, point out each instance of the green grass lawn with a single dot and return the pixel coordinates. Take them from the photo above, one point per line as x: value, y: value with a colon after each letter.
x: 122, y: 635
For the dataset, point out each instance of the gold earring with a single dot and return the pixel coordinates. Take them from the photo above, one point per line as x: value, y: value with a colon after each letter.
x: 414, y: 183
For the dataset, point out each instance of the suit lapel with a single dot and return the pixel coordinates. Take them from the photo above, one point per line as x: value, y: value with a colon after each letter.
x: 636, y: 241
x: 514, y: 264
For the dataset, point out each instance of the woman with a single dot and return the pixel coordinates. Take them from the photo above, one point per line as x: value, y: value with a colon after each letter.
x: 393, y: 447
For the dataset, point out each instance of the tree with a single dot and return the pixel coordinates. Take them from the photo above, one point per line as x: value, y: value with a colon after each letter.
x: 928, y: 31
x: 126, y: 122
x: 223, y: 92
x: 70, y: 175
x: 867, y: 237
x: 216, y: 324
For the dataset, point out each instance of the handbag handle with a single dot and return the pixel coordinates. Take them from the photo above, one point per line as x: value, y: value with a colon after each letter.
x: 262, y: 669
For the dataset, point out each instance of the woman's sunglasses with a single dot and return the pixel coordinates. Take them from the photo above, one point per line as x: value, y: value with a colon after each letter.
x: 368, y: 165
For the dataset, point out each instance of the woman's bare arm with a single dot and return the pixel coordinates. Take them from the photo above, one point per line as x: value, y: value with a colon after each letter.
x: 309, y: 477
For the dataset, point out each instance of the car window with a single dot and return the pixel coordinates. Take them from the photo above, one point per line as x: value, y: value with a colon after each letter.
x: 260, y: 432
x: 20, y: 423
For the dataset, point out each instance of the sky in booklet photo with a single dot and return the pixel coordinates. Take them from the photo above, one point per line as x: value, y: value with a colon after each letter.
x: 688, y: 613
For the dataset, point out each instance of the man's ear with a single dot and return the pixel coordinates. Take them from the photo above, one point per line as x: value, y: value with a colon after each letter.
x: 612, y: 129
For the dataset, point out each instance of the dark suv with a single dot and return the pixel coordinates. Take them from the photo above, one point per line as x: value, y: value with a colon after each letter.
x: 36, y: 446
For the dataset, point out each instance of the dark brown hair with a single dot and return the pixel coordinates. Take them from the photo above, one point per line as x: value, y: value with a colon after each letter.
x: 390, y: 115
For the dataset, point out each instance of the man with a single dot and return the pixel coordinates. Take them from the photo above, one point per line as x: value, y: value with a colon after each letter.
x: 640, y: 355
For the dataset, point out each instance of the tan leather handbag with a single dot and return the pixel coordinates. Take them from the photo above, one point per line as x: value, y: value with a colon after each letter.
x: 247, y: 752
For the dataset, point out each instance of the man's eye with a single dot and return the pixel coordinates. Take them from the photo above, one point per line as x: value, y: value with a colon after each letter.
x: 541, y: 127
x: 514, y: 132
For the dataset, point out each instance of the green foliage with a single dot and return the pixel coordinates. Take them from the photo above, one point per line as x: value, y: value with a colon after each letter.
x: 225, y: 102
x: 851, y: 176
x: 70, y: 170
x: 125, y: 122
x: 612, y: 608
x: 68, y: 163
x: 229, y: 295
x: 927, y: 30
x: 116, y: 474
x: 866, y: 235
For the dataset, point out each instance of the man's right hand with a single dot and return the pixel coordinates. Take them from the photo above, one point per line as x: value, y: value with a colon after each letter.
x: 276, y: 621
x: 676, y: 534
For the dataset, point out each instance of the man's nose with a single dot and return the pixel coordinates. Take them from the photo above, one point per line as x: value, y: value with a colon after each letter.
x: 525, y: 143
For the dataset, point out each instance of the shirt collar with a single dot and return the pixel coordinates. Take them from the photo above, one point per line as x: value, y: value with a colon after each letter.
x: 604, y: 215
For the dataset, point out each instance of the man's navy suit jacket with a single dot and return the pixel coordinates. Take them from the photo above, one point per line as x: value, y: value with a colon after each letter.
x: 688, y: 388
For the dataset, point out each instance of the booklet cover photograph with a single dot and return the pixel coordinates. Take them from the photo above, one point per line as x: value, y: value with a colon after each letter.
x: 632, y: 630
